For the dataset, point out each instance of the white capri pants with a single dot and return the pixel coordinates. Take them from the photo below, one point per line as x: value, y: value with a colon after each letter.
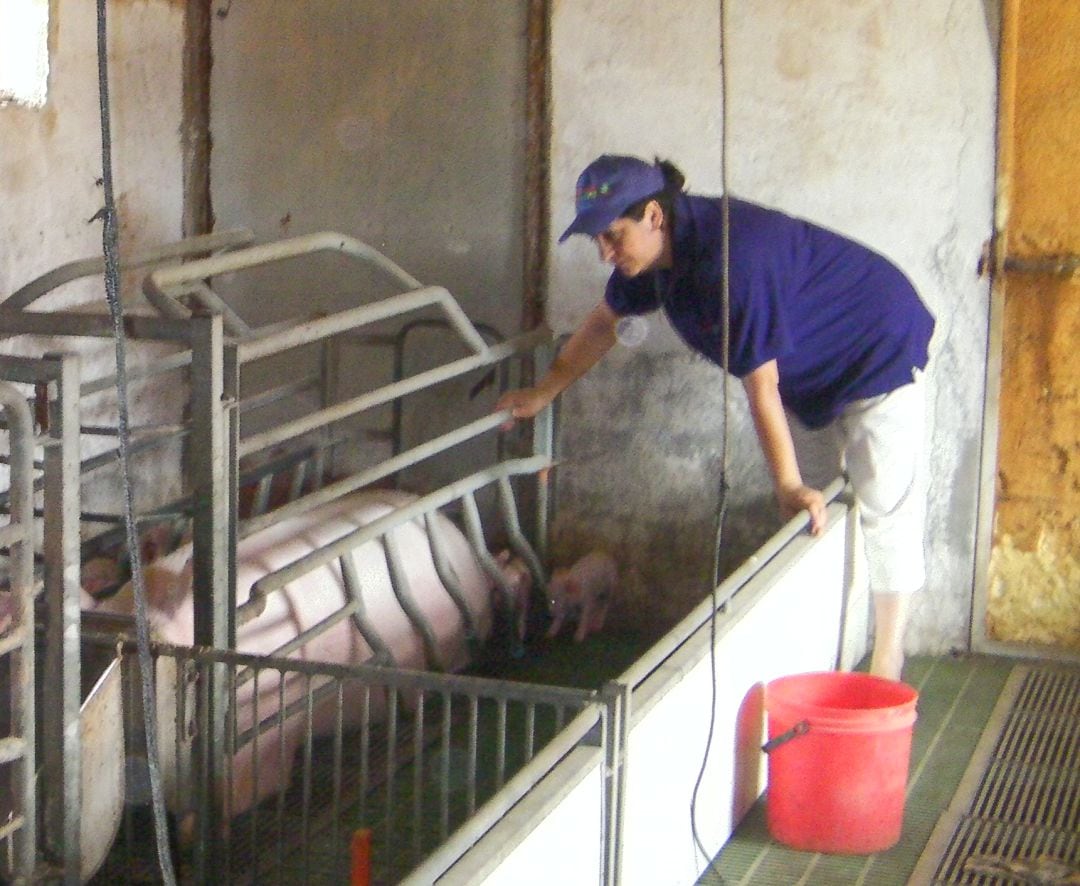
x: 878, y: 443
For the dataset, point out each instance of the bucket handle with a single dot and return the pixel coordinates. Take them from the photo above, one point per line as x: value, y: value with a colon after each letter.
x: 800, y: 728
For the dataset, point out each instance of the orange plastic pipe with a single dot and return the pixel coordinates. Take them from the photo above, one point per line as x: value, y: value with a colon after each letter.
x: 360, y: 850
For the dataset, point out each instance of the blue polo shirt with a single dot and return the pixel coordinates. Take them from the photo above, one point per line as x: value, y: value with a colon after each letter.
x: 842, y: 322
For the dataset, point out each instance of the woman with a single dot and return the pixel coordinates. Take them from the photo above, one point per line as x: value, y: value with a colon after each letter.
x: 828, y: 337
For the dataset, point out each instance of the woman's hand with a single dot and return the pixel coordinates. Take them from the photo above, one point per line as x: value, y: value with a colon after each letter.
x: 522, y: 403
x: 593, y: 338
x: 796, y: 499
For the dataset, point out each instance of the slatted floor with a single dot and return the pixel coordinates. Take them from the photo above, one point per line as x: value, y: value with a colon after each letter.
x: 957, y: 696
x: 1016, y: 816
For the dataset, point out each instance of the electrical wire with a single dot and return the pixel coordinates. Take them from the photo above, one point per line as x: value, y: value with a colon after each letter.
x: 112, y: 296
x: 722, y: 498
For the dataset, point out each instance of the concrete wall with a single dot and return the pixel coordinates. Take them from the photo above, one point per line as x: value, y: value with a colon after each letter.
x: 401, y: 124
x: 870, y: 117
x: 50, y: 165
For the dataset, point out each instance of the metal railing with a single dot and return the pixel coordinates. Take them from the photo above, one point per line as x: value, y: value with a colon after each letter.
x: 315, y: 752
x: 17, y: 749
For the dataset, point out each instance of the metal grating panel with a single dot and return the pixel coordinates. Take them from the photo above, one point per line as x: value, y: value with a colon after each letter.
x: 1016, y: 817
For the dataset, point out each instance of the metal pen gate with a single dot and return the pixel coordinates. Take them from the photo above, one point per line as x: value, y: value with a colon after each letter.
x: 423, y: 763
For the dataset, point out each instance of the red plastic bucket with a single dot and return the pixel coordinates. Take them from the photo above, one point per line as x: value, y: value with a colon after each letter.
x: 839, y: 747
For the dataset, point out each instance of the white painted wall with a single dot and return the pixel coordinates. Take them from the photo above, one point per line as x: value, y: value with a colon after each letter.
x: 871, y: 117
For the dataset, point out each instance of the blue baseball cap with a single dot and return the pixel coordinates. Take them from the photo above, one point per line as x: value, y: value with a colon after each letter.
x: 609, y: 186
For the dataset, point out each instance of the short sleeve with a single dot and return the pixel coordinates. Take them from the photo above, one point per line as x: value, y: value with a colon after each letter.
x: 759, y: 332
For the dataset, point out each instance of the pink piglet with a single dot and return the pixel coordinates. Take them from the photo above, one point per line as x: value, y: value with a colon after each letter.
x: 582, y: 592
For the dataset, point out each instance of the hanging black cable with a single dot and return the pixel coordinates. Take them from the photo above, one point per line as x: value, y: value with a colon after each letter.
x: 722, y: 497
x: 112, y: 296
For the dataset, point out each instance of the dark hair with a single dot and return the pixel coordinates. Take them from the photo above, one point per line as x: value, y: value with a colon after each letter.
x: 674, y: 182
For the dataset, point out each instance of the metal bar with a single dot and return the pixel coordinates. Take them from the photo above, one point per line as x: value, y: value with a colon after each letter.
x: 215, y: 304
x: 14, y: 532
x: 399, y: 581
x: 518, y: 542
x: 418, y: 777
x: 483, y: 819
x: 371, y: 475
x: 444, y: 775
x: 391, y: 764
x: 530, y: 731
x: 229, y: 753
x: 338, y: 764
x: 607, y: 790
x: 475, y: 531
x: 319, y: 328
x: 206, y: 850
x: 282, y: 786
x: 355, y: 592
x: 213, y: 595
x: 26, y: 295
x: 450, y: 579
x: 394, y: 678
x: 69, y: 323
x: 543, y: 444
x: 309, y: 562
x: 260, y: 503
x: 1049, y: 265
x: 21, y: 579
x: 365, y: 750
x: 173, y: 281
x: 500, y: 744
x: 398, y: 342
x: 473, y: 744
x: 62, y: 754
x: 308, y: 745
x: 383, y: 395
x: 276, y: 394
x: 11, y: 827
x: 623, y: 700
x: 160, y: 366
x: 309, y: 634
x: 230, y: 397
x: 256, y: 736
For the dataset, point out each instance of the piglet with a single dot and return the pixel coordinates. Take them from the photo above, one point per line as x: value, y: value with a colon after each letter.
x: 516, y: 588
x: 582, y: 592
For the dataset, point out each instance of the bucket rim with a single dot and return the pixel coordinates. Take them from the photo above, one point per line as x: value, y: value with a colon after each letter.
x: 783, y: 691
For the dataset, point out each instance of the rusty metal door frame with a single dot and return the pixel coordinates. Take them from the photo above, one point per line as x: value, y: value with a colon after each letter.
x: 1000, y: 263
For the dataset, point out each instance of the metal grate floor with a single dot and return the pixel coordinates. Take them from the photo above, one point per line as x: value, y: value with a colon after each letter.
x: 1016, y: 816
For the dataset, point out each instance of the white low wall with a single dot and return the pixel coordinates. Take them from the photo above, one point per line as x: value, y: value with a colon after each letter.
x: 805, y: 609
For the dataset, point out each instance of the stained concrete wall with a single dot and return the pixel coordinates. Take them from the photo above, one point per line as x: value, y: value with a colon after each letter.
x: 401, y: 124
x: 870, y: 117
x: 50, y: 173
x: 1033, y: 592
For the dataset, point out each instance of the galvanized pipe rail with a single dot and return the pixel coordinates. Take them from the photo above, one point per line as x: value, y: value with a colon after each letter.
x: 595, y: 719
x: 29, y: 293
x: 18, y: 641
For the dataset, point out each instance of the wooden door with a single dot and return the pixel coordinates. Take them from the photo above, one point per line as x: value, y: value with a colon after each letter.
x: 1032, y: 591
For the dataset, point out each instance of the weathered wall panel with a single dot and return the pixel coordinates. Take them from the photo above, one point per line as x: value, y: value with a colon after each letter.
x: 1034, y: 586
x: 871, y: 117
